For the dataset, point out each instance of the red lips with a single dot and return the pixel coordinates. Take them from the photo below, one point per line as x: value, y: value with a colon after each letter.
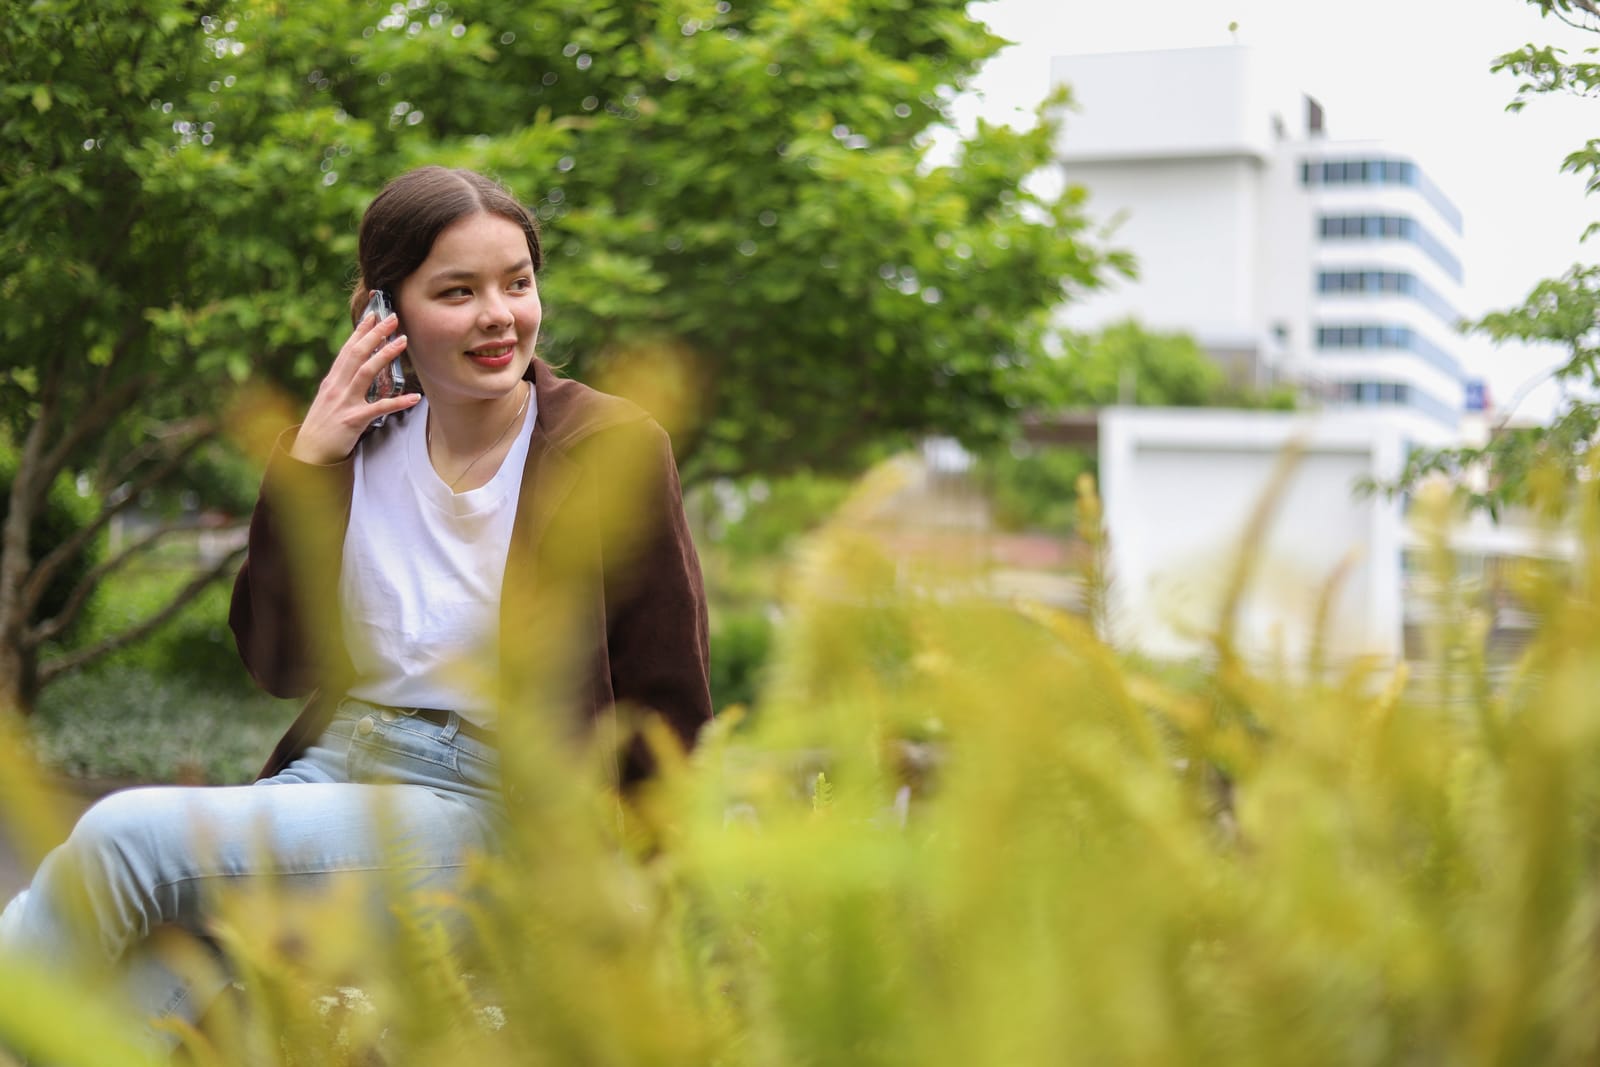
x: 495, y: 355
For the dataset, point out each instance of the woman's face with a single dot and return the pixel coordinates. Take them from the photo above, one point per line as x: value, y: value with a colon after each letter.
x: 471, y: 311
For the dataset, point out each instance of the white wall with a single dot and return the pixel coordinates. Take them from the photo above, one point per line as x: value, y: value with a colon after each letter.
x: 1179, y: 488
x: 1184, y: 102
x: 1192, y: 226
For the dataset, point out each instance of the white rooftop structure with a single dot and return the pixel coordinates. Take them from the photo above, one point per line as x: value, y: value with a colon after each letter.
x: 1288, y: 255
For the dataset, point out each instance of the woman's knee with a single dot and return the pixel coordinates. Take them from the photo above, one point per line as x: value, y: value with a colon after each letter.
x: 122, y: 820
x: 131, y: 839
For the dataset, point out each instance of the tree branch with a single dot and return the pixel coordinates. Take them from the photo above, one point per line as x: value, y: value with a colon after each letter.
x: 14, y: 555
x: 52, y: 669
x: 1587, y: 6
x: 52, y: 563
x: 49, y: 629
x: 87, y: 422
x: 159, y: 438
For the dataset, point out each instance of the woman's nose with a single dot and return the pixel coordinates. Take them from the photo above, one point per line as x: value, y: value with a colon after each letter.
x: 495, y: 312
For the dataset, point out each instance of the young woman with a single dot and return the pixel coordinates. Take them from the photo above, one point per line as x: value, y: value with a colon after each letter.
x: 505, y: 556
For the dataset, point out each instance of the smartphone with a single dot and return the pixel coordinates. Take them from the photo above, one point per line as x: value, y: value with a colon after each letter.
x: 391, y: 381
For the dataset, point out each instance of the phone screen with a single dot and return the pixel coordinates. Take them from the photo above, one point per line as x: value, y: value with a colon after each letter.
x: 391, y: 381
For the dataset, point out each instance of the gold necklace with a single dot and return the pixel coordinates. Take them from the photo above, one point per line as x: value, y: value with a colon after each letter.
x: 428, y: 440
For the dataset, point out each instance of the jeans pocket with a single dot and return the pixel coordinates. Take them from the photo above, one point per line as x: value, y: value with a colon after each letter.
x: 479, y: 769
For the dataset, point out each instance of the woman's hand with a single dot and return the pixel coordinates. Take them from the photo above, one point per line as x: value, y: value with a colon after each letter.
x: 340, y: 411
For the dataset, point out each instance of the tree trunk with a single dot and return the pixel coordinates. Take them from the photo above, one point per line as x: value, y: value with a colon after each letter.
x: 15, y: 668
x: 17, y: 660
x: 17, y: 688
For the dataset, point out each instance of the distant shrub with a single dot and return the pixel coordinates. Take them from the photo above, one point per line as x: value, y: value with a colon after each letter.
x: 741, y: 641
x: 1034, y: 487
x: 125, y: 722
x: 194, y: 647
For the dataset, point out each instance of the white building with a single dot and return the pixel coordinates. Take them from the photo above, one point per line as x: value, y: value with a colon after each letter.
x: 1288, y: 255
x: 1291, y: 257
x: 1254, y: 512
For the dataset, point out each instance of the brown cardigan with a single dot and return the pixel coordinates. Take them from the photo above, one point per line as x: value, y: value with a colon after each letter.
x: 602, y: 604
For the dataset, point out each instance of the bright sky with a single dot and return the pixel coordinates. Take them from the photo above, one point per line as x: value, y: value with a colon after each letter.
x: 1412, y: 71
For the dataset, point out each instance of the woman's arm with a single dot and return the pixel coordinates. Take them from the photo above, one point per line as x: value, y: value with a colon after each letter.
x: 284, y: 615
x: 657, y: 629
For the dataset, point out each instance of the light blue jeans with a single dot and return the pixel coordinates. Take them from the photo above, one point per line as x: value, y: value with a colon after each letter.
x: 382, y: 794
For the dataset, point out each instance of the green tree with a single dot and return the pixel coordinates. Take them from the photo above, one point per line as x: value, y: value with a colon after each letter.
x: 738, y: 196
x: 1128, y: 364
x: 1033, y: 486
x: 1542, y: 466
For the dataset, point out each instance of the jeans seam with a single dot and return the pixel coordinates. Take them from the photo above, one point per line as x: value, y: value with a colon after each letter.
x: 370, y: 746
x: 302, y: 873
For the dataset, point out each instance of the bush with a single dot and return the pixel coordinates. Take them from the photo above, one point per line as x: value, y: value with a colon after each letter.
x: 1034, y: 488
x: 763, y: 517
x: 194, y: 647
x: 741, y: 641
x: 964, y: 832
x: 123, y: 722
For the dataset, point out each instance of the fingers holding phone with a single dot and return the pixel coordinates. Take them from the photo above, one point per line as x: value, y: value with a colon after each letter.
x: 388, y: 381
x: 364, y: 385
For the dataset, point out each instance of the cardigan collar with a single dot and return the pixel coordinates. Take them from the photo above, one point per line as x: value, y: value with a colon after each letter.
x: 569, y: 411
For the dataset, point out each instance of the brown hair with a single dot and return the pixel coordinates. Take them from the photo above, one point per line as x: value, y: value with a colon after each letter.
x: 404, y: 219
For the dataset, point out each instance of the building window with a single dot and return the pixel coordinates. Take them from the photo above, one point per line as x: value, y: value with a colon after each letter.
x: 1334, y: 339
x: 1394, y: 394
x: 1381, y: 172
x: 1384, y: 283
x: 1389, y: 227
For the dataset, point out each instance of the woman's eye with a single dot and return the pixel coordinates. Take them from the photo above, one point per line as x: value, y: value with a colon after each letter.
x: 522, y: 285
x: 457, y: 291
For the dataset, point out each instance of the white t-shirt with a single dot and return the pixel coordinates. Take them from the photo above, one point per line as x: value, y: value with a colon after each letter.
x: 422, y: 573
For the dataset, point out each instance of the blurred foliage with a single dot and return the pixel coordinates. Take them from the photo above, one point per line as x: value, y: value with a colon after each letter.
x: 965, y: 831
x: 755, y: 518
x: 1506, y: 472
x: 1127, y: 363
x: 1034, y: 487
x: 748, y: 531
x: 194, y: 648
x: 741, y: 643
x: 739, y: 196
x: 1559, y: 313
